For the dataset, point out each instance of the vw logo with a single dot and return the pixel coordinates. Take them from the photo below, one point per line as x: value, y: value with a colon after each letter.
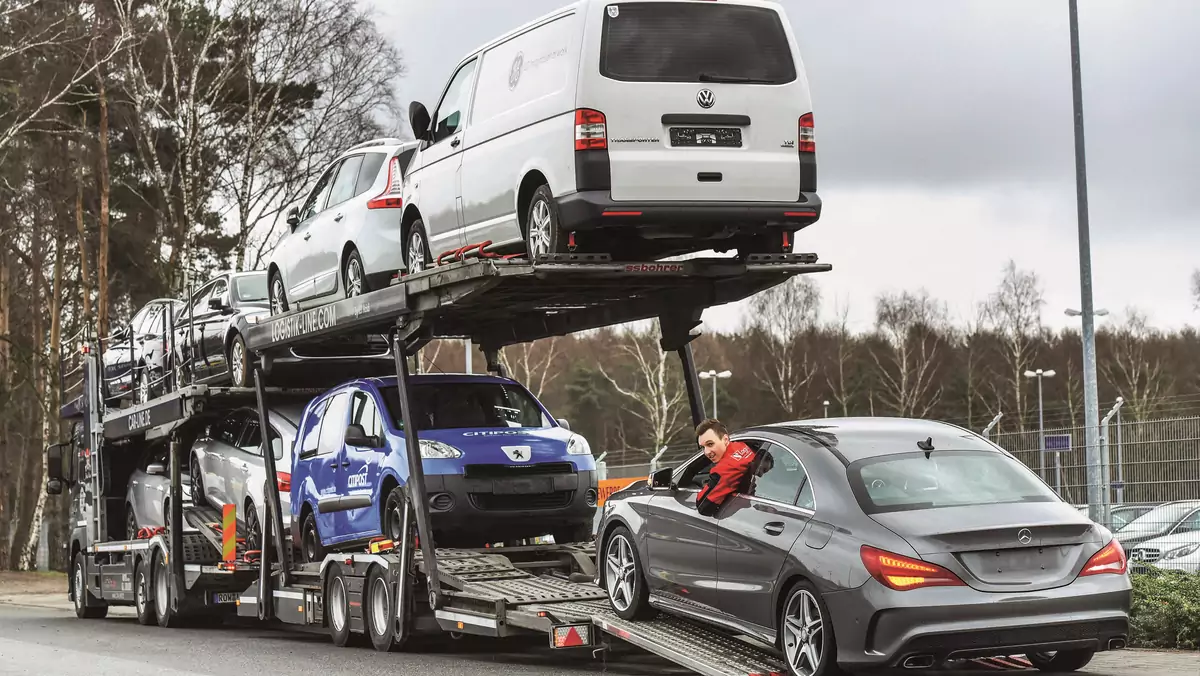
x: 1024, y: 536
x: 514, y: 72
x: 706, y: 98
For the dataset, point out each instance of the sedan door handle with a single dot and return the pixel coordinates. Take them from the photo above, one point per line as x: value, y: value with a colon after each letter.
x: 307, y: 235
x: 455, y: 142
x: 338, y: 217
x: 346, y: 464
x: 773, y: 528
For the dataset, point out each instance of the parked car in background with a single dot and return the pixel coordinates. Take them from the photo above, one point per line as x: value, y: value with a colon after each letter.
x: 1171, y: 551
x: 498, y: 467
x: 344, y: 239
x: 211, y: 326
x: 226, y: 464
x: 872, y: 543
x: 133, y: 359
x: 1165, y: 519
x: 1120, y: 515
x: 148, y: 498
x: 640, y: 129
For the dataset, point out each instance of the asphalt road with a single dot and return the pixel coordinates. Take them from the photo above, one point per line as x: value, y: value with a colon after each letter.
x: 50, y: 642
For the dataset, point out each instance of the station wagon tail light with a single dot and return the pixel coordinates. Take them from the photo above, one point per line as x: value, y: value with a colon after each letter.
x: 807, y: 139
x: 391, y: 198
x: 1111, y: 559
x: 591, y: 133
x: 902, y: 573
x: 284, y: 481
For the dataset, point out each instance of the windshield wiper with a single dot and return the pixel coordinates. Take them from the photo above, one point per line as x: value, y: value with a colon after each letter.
x: 714, y: 77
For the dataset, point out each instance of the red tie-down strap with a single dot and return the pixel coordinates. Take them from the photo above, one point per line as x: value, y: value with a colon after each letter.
x: 149, y: 532
x: 252, y: 555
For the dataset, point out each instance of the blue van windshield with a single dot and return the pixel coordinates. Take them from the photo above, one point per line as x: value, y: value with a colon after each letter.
x: 472, y: 405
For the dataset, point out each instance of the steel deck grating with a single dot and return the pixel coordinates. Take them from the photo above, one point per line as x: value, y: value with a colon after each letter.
x: 530, y: 589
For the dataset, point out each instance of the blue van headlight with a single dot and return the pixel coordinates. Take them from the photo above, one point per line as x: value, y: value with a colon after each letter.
x: 438, y: 450
x: 578, y: 446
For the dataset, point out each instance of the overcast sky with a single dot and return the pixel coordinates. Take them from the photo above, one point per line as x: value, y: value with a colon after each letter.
x: 945, y: 141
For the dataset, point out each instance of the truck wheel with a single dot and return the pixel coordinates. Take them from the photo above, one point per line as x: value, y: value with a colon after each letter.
x: 141, y: 595
x: 163, y: 612
x: 338, y: 609
x: 86, y: 606
x: 379, y: 613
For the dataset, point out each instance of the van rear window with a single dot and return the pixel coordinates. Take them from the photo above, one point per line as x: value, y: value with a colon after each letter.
x: 703, y: 42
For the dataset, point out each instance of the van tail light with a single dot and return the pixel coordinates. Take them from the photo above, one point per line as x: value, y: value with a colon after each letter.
x: 902, y: 573
x: 1111, y: 559
x: 284, y: 481
x: 390, y: 198
x: 591, y: 132
x: 807, y: 139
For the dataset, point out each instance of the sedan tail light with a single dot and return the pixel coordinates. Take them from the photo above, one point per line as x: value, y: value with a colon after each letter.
x: 284, y: 481
x: 902, y: 573
x: 1111, y: 559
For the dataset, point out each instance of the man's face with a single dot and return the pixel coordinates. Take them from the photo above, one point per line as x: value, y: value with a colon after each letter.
x: 714, y: 445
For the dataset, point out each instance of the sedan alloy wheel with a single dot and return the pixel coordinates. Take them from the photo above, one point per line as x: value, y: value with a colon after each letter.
x: 620, y: 570
x: 803, y: 633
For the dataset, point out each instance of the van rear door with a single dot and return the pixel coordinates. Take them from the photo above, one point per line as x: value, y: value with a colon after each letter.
x: 702, y: 100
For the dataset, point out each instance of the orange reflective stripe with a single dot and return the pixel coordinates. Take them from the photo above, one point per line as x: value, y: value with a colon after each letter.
x: 229, y: 533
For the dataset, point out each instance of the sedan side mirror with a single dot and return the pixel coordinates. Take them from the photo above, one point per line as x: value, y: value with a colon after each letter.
x: 357, y: 437
x: 293, y: 218
x: 662, y: 478
x: 156, y: 469
x: 565, y: 424
x: 418, y: 119
x: 215, y: 304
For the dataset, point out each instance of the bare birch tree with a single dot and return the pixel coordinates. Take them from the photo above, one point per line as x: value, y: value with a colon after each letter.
x: 533, y: 364
x: 837, y: 375
x: 783, y: 316
x: 909, y: 324
x: 1134, y: 364
x: 656, y: 396
x: 1196, y: 289
x: 1014, y: 311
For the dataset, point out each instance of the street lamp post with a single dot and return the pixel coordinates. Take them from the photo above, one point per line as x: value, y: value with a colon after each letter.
x: 1039, y: 374
x: 826, y: 405
x: 714, y: 375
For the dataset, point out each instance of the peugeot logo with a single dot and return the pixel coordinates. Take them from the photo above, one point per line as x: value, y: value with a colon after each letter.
x: 706, y: 98
x: 1024, y: 536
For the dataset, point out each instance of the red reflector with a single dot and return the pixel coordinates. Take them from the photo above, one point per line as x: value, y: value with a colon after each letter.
x: 786, y: 243
x: 1111, y: 559
x: 622, y: 213
x: 800, y: 214
x: 386, y: 203
x: 902, y: 573
x: 808, y: 135
x: 572, y: 636
x: 284, y: 481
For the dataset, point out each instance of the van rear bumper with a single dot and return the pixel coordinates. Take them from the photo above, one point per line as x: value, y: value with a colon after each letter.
x: 594, y: 210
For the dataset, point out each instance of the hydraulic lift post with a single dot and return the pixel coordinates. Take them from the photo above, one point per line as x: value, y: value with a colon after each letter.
x: 272, y: 527
x: 416, y: 472
x: 175, y: 519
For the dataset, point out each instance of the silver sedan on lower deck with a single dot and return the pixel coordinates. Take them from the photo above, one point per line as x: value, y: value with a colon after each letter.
x: 871, y: 543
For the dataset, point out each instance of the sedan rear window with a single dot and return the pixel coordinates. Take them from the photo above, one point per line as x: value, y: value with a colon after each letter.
x: 909, y: 481
x: 709, y: 42
x: 447, y: 406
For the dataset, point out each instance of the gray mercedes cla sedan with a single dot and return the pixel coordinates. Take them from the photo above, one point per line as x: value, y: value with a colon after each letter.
x: 873, y: 542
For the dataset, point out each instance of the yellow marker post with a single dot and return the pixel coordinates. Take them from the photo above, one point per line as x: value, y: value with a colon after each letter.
x: 229, y: 533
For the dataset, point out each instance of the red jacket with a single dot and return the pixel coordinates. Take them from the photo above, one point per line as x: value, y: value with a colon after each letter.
x: 725, y: 478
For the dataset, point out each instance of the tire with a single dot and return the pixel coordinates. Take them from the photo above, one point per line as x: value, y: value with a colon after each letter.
x: 379, y: 611
x: 623, y: 579
x: 393, y: 510
x: 1062, y: 661
x: 542, y: 234
x: 253, y: 527
x: 311, y: 549
x: 87, y: 607
x: 142, y: 601
x: 354, y: 275
x: 417, y: 248
x: 338, y: 608
x: 238, y: 361
x: 161, y: 577
x: 199, y: 496
x: 167, y: 513
x: 278, y: 294
x: 131, y: 527
x: 144, y: 391
x: 805, y: 635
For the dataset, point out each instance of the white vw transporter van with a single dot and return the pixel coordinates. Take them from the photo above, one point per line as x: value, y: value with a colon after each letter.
x: 640, y: 128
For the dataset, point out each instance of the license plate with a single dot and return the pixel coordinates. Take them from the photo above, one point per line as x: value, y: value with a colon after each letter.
x: 524, y: 486
x: 225, y: 597
x: 717, y: 137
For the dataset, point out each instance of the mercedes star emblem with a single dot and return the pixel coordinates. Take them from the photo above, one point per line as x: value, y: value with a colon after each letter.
x: 706, y: 98
x: 1024, y: 536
